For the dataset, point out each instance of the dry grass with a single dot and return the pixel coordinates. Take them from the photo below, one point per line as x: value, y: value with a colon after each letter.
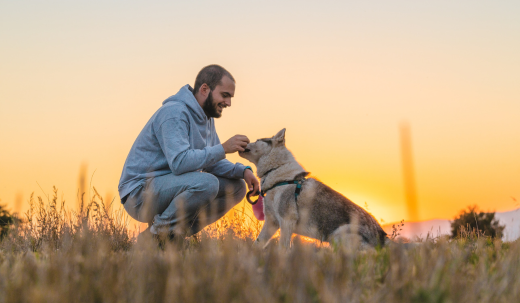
x: 56, y: 255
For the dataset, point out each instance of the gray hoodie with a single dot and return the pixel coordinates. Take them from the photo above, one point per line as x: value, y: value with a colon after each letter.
x: 178, y: 138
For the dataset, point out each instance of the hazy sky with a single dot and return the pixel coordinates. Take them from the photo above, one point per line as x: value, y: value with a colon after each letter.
x: 79, y: 80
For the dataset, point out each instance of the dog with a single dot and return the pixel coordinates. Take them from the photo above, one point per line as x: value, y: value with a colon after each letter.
x: 305, y: 206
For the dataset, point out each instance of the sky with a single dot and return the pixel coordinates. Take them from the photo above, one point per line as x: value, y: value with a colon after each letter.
x: 80, y: 79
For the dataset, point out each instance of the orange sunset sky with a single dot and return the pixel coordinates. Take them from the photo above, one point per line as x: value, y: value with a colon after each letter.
x: 79, y: 80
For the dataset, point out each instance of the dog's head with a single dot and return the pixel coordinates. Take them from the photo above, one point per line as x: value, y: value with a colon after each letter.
x: 264, y: 148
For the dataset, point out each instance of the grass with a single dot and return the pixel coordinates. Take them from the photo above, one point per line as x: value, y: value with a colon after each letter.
x: 56, y: 255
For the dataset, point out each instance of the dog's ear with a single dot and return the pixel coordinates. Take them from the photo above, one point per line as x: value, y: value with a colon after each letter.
x: 280, y: 136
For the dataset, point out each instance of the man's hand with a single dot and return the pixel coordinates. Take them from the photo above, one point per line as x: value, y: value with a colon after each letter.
x: 251, y: 181
x: 235, y: 143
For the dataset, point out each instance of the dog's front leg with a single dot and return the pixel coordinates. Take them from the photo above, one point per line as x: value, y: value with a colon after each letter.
x: 268, y: 230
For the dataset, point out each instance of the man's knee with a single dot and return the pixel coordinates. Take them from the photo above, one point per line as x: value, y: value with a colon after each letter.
x: 242, y: 190
x: 238, y: 189
x: 207, y: 183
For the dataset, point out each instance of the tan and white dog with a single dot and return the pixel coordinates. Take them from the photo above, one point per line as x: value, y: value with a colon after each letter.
x: 315, y: 210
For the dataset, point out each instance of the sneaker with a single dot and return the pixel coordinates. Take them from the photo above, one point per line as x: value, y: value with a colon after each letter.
x: 145, y: 237
x: 164, y: 238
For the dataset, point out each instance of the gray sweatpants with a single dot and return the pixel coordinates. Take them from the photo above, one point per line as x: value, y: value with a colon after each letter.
x: 190, y: 201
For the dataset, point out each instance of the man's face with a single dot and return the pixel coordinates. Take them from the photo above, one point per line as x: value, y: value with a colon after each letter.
x: 219, y: 98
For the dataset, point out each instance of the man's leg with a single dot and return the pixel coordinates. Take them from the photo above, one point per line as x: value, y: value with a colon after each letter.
x: 230, y: 193
x: 161, y: 199
x: 189, y: 201
x: 173, y: 201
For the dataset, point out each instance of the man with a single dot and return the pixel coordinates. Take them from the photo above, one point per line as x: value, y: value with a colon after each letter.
x: 176, y: 172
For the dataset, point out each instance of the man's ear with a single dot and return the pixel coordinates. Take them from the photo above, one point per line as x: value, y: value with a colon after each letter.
x: 204, y: 90
x: 280, y: 136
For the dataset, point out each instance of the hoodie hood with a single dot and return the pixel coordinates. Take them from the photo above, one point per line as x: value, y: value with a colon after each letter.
x: 185, y: 95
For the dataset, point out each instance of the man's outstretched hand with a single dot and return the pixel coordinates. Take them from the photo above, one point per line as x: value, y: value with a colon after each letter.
x: 239, y: 143
x: 235, y: 143
x: 251, y: 181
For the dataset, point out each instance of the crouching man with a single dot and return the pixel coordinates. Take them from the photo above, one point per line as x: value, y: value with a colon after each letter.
x: 176, y: 172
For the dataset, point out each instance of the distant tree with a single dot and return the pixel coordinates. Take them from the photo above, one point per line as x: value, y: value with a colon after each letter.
x: 6, y: 219
x: 485, y: 223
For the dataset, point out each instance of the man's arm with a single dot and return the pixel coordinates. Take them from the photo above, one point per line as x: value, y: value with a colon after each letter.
x: 224, y: 168
x: 173, y: 137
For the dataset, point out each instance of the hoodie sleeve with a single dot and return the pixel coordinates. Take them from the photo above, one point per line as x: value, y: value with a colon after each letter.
x: 173, y: 137
x: 224, y: 168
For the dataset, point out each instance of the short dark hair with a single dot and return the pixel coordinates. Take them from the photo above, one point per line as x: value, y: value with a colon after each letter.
x: 212, y: 76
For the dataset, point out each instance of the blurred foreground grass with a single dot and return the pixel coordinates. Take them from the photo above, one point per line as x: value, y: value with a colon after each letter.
x: 54, y: 255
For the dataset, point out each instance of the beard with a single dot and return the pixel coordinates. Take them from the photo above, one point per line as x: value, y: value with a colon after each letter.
x: 209, y: 108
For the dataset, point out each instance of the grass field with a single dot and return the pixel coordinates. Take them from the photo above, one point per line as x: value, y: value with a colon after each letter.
x: 55, y: 255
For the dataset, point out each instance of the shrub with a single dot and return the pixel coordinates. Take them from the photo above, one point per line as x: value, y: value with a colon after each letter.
x: 6, y: 219
x: 480, y: 222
